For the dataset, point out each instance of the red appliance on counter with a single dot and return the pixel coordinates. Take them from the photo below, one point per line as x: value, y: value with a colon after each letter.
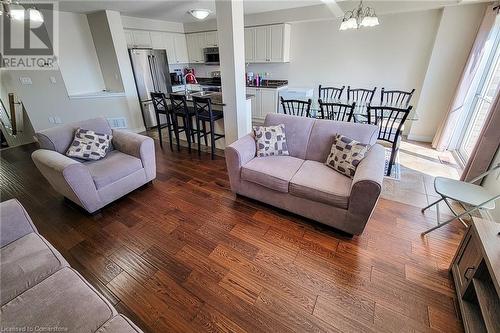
x: 190, y: 79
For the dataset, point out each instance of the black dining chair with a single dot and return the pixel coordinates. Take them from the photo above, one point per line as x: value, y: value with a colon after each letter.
x: 296, y: 107
x: 330, y: 93
x: 160, y: 106
x: 390, y: 121
x: 362, y: 97
x: 205, y: 113
x: 179, y: 109
x: 336, y: 111
x: 396, y: 97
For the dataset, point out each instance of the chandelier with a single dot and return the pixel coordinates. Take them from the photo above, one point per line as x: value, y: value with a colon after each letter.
x: 359, y: 17
x: 15, y: 11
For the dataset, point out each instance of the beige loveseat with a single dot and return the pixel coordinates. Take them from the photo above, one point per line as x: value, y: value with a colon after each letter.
x: 301, y: 183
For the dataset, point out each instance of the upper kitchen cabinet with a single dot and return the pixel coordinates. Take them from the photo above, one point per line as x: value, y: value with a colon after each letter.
x: 211, y: 39
x: 269, y: 43
x: 181, y: 51
x: 138, y: 38
x: 195, y: 44
x: 249, y: 44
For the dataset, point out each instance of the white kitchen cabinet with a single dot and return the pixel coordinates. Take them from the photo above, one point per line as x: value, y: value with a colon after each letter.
x: 264, y: 102
x: 141, y: 38
x: 129, y: 38
x: 249, y: 44
x: 261, y: 53
x: 195, y: 45
x: 269, y: 43
x: 157, y: 40
x: 181, y: 51
x: 169, y: 46
x: 211, y: 39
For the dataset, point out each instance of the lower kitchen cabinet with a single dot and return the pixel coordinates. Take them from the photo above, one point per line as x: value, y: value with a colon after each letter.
x: 265, y: 101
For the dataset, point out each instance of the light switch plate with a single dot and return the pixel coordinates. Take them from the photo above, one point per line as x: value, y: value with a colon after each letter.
x: 25, y: 80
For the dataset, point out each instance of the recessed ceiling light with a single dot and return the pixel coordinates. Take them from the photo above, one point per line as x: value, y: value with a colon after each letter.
x: 199, y: 14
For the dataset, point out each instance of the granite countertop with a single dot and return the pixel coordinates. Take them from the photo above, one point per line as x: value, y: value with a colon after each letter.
x: 216, y: 97
x: 274, y: 84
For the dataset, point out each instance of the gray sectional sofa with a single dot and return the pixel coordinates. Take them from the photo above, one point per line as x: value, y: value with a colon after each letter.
x: 301, y: 183
x: 94, y: 184
x: 39, y: 291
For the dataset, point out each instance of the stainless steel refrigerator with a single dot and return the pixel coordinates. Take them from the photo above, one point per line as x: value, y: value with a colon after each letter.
x: 151, y: 74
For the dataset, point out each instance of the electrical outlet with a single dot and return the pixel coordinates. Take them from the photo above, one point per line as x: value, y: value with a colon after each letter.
x: 53, y: 79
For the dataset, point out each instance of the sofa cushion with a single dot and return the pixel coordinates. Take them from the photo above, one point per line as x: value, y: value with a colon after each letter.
x: 89, y: 145
x: 346, y: 154
x: 24, y: 263
x: 273, y: 172
x: 64, y: 300
x: 113, y: 167
x: 317, y: 182
x: 270, y: 141
x: 297, y: 130
x: 119, y: 324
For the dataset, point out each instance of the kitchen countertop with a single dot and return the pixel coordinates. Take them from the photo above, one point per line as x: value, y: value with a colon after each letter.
x: 273, y: 84
x: 216, y: 97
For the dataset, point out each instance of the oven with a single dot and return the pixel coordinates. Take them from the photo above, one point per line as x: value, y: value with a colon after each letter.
x: 211, y: 56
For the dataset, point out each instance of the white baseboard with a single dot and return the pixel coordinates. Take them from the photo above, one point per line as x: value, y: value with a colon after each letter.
x: 421, y: 138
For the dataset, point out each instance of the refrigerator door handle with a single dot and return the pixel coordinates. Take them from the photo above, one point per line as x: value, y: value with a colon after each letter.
x: 151, y: 70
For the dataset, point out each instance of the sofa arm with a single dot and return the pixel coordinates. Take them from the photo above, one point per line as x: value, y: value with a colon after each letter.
x: 137, y: 145
x: 237, y: 155
x: 367, y: 185
x: 68, y: 177
x: 14, y: 222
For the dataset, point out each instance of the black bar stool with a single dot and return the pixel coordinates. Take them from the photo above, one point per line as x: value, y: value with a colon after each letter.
x: 160, y: 106
x: 204, y: 113
x: 180, y: 109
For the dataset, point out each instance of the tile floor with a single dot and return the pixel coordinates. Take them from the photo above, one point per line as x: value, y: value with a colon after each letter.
x: 420, y: 164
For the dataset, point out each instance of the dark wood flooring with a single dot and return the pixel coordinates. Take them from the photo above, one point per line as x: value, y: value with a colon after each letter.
x: 186, y: 255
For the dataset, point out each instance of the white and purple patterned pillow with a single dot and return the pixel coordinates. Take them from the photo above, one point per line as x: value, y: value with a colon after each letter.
x: 346, y: 154
x: 89, y: 145
x: 270, y: 140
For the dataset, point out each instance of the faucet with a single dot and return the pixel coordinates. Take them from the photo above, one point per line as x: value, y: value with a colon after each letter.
x: 184, y: 78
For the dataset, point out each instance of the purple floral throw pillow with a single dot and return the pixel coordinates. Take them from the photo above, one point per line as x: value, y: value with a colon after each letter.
x: 346, y: 154
x: 270, y: 140
x: 89, y: 145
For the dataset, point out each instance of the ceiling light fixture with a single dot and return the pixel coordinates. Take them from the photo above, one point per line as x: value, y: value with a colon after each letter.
x: 359, y: 17
x: 199, y: 14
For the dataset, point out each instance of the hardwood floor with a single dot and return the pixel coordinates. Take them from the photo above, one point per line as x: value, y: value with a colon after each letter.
x: 185, y: 255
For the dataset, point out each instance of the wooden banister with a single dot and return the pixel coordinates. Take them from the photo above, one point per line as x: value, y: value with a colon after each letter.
x: 12, y: 109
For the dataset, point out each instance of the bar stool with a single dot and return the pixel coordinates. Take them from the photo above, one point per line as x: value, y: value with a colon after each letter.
x: 204, y: 114
x: 160, y: 106
x: 180, y: 109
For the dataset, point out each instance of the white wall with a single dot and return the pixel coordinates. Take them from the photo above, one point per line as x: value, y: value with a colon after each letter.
x: 457, y: 31
x: 44, y: 99
x: 76, y: 51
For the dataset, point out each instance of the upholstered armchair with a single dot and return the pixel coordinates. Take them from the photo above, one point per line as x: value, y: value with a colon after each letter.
x: 129, y: 164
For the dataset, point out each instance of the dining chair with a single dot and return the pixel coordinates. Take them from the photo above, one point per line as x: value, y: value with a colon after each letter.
x: 330, y: 93
x: 390, y: 121
x: 336, y: 111
x: 160, y: 106
x: 396, y: 97
x: 474, y: 196
x: 179, y: 109
x: 360, y: 95
x: 205, y: 113
x: 296, y: 107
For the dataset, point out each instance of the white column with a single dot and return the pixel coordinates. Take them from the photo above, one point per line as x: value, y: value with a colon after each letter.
x: 237, y: 117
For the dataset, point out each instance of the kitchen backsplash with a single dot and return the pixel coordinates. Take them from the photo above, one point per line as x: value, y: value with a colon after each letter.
x: 275, y: 71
